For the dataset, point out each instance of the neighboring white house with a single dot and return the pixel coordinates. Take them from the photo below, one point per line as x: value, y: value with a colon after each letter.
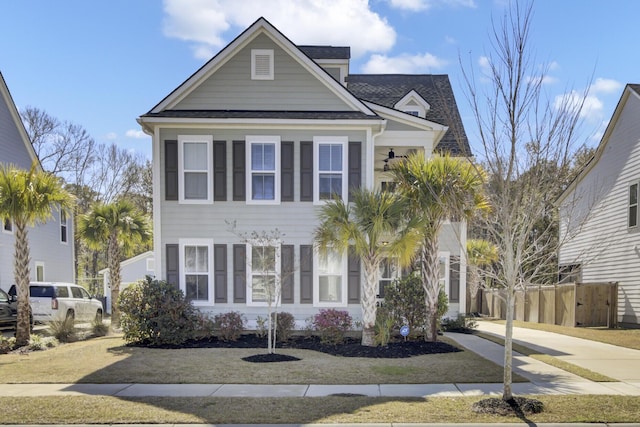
x: 600, y: 222
x: 263, y: 134
x: 131, y: 270
x: 51, y: 245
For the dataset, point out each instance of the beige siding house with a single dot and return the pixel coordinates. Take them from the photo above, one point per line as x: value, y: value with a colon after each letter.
x: 262, y: 135
x: 600, y: 223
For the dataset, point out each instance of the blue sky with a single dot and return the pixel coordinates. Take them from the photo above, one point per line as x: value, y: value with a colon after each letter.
x: 103, y: 63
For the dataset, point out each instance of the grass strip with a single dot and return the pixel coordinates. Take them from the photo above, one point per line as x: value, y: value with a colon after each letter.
x: 549, y: 360
x: 211, y: 410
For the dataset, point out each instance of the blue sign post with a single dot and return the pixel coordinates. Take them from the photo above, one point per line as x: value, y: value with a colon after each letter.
x: 404, y: 331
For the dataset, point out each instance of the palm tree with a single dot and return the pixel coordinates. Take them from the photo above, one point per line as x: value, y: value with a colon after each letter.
x: 120, y: 226
x: 374, y: 225
x: 27, y: 197
x: 437, y: 189
x: 480, y: 253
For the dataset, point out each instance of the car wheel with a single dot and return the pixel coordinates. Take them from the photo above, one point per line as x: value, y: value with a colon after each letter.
x: 71, y: 315
x: 99, y: 316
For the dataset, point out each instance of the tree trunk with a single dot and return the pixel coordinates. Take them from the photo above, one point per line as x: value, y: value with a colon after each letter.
x: 368, y: 302
x: 429, y: 269
x: 21, y: 276
x: 508, y: 347
x: 114, y: 277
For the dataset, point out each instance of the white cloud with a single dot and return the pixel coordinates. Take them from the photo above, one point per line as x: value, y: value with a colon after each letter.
x: 404, y: 63
x: 592, y: 107
x: 605, y: 86
x: 111, y: 136
x: 333, y: 22
x: 420, y: 5
x: 137, y: 134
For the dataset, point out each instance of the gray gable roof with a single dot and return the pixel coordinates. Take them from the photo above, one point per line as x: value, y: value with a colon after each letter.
x: 326, y: 52
x: 388, y: 89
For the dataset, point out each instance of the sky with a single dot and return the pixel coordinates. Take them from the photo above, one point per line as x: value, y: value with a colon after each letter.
x: 103, y: 63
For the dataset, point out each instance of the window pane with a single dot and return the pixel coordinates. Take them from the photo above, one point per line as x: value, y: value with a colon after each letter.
x: 190, y: 259
x: 330, y: 185
x: 330, y: 288
x: 197, y: 287
x: 261, y: 287
x: 633, y: 216
x: 195, y: 156
x: 331, y: 263
x: 263, y: 157
x: 330, y: 157
x: 263, y: 187
x: 336, y: 158
x: 202, y: 261
x: 633, y: 194
x: 195, y: 185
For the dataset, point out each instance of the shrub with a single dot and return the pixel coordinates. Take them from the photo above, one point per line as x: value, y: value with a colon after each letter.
x: 7, y: 344
x: 157, y: 313
x: 462, y: 324
x: 63, y: 330
x: 332, y: 325
x: 36, y: 342
x: 383, y: 327
x: 404, y: 301
x: 229, y: 326
x: 99, y: 328
x: 286, y: 325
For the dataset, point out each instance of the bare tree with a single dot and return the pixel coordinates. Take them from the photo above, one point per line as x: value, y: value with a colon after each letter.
x: 528, y: 140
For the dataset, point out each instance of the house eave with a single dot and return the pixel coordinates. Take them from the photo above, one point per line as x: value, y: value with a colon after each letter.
x: 148, y: 123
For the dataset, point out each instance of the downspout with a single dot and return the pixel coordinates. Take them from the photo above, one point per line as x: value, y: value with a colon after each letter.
x: 369, y: 178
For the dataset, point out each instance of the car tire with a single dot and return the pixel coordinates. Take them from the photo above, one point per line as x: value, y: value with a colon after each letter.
x: 71, y: 315
x: 98, y: 318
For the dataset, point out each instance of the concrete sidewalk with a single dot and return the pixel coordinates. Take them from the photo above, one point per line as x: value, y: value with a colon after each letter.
x: 622, y: 364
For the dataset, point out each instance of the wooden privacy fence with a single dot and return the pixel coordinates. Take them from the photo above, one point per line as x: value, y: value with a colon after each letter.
x: 571, y: 304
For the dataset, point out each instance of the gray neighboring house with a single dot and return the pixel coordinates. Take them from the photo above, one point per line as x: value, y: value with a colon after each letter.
x: 131, y: 270
x: 600, y: 219
x: 263, y: 134
x: 51, y: 244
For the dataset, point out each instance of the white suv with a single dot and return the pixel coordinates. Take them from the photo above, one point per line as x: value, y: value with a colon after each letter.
x: 58, y: 301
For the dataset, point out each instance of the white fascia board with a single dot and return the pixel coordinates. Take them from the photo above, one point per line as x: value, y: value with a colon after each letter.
x: 413, y: 95
x: 408, y: 119
x: 244, y: 123
x: 259, y: 27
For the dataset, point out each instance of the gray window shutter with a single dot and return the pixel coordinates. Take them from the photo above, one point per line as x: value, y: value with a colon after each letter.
x: 454, y: 279
x: 306, y: 171
x: 239, y: 273
x: 173, y: 264
x: 220, y: 170
x: 171, y: 170
x: 239, y: 185
x: 220, y: 269
x: 286, y: 170
x: 355, y: 165
x: 353, y: 279
x: 306, y: 274
x: 287, y: 274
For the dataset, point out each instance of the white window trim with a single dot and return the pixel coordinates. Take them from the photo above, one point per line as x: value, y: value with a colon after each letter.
x: 316, y: 283
x: 182, y: 139
x: 66, y: 225
x: 249, y: 280
x: 183, y: 285
x: 320, y: 140
x: 259, y: 139
x: 261, y: 52
x: 151, y: 265
x: 447, y: 258
x: 44, y: 272
x: 637, y: 205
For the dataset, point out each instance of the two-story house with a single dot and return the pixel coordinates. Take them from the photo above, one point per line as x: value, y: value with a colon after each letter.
x: 599, y: 215
x: 262, y: 135
x: 51, y: 244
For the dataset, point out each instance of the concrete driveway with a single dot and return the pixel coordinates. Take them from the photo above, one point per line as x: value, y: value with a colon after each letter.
x: 620, y: 363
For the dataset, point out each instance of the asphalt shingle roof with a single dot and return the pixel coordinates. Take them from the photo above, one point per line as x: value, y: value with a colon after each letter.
x: 388, y: 89
x: 326, y: 52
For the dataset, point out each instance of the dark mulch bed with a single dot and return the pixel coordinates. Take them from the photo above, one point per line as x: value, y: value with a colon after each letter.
x: 349, y: 348
x: 518, y: 406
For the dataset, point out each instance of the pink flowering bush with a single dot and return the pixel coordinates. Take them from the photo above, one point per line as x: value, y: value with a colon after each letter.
x: 332, y: 325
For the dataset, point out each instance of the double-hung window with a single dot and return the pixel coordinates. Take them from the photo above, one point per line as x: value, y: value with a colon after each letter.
x: 389, y: 271
x: 331, y: 280
x: 196, y: 260
x: 634, y: 188
x: 263, y: 271
x: 330, y: 167
x: 263, y: 165
x: 195, y: 162
x: 443, y: 271
x: 63, y: 227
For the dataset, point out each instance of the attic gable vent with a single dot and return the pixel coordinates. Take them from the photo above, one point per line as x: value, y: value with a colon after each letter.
x: 262, y: 64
